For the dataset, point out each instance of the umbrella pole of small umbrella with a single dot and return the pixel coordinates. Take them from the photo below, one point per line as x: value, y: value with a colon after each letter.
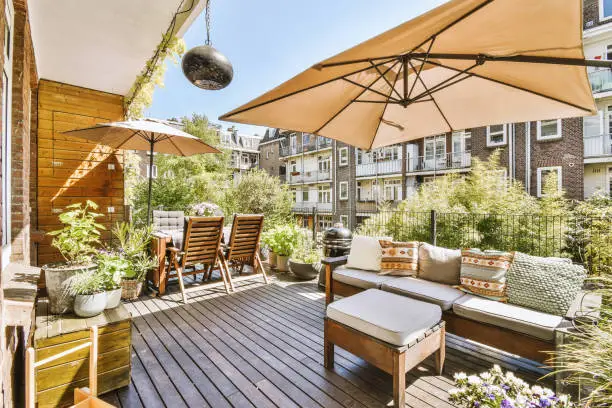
x: 152, y: 142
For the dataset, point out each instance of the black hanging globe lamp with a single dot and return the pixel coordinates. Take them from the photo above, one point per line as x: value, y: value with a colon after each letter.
x: 204, y: 66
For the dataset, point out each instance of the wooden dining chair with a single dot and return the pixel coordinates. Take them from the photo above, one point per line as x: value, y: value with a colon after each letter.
x: 201, y: 247
x: 243, y: 248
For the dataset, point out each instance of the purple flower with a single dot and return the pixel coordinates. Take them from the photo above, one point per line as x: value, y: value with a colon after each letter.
x: 491, y: 397
x: 545, y: 402
x: 505, y: 387
x: 506, y: 404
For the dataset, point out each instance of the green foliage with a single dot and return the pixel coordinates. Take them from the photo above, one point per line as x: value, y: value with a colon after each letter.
x: 259, y: 193
x: 306, y: 250
x: 133, y: 250
x: 86, y: 283
x: 282, y: 239
x: 111, y: 268
x: 78, y: 240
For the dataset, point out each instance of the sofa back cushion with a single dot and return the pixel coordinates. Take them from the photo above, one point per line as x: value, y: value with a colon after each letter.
x: 483, y: 273
x: 544, y: 284
x: 399, y: 258
x: 365, y: 254
x: 439, y: 264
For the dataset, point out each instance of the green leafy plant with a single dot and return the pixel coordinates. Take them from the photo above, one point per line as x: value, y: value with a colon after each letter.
x: 111, y: 267
x: 86, y: 283
x: 306, y: 251
x: 133, y: 249
x: 283, y: 239
x: 78, y: 240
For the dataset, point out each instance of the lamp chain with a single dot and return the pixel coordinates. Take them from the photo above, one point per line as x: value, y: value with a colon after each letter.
x: 207, y: 17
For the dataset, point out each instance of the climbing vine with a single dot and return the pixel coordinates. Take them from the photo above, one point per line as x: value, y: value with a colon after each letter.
x: 140, y: 96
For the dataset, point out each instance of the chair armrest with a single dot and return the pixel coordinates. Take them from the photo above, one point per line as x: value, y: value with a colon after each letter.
x: 173, y: 250
x: 335, y: 261
x: 159, y: 234
x: 586, y: 303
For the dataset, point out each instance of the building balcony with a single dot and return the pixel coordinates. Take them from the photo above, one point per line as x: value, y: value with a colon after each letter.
x: 446, y: 161
x: 299, y: 177
x: 379, y: 168
x: 310, y: 147
x: 372, y: 206
x: 310, y: 206
x: 601, y: 80
x: 598, y: 146
x: 244, y: 166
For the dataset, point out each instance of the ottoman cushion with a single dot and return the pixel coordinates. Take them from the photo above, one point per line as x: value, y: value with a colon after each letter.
x: 392, y: 318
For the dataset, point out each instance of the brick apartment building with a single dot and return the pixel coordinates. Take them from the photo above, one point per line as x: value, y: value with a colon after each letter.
x: 577, y: 150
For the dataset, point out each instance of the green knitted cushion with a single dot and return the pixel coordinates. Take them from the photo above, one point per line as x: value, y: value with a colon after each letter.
x: 543, y: 284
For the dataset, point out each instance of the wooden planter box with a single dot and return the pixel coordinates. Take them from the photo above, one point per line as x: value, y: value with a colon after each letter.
x: 55, y: 382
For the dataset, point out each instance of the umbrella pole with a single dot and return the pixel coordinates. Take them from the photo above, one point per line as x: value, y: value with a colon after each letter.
x: 150, y: 182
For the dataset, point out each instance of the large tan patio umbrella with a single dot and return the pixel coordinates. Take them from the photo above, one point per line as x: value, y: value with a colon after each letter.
x: 465, y: 64
x: 150, y: 135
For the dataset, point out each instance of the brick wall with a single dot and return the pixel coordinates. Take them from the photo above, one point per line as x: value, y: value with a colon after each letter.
x: 344, y: 174
x: 591, y: 14
x: 269, y: 159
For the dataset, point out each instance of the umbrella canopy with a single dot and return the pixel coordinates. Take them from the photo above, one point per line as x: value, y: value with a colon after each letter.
x: 465, y: 64
x: 150, y: 135
x: 140, y: 134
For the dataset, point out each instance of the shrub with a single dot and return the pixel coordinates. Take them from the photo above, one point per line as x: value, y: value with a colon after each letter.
x: 282, y: 239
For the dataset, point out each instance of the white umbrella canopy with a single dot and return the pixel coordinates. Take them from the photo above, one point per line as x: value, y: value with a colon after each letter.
x: 150, y: 135
x: 465, y: 64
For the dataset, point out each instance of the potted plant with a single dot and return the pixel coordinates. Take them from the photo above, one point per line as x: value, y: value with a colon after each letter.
x: 284, y: 239
x: 76, y: 242
x: 266, y: 239
x: 305, y: 259
x: 90, y: 296
x: 133, y: 247
x: 111, y: 267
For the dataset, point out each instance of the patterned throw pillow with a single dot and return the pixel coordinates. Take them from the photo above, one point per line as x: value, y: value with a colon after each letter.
x: 547, y: 285
x: 399, y: 258
x: 483, y: 273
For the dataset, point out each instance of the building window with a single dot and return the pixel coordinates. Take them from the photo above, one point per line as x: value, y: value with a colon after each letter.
x: 392, y: 190
x: 268, y: 154
x: 294, y: 195
x: 7, y: 79
x: 549, y: 129
x: 344, y: 221
x: 605, y: 9
x: 293, y: 166
x: 610, y: 181
x: 324, y: 194
x: 325, y: 222
x: 323, y: 163
x: 343, y: 156
x: 152, y: 174
x: 543, y: 173
x: 305, y: 196
x: 496, y: 135
x: 344, y: 190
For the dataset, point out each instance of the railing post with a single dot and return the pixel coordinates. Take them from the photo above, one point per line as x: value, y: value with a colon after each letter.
x: 433, y: 227
x: 314, y: 222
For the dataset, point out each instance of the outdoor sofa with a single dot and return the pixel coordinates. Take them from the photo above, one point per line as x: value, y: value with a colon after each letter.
x: 516, y: 329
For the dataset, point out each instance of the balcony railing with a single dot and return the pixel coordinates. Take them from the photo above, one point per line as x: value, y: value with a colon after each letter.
x: 308, y: 176
x: 446, y: 161
x: 600, y: 145
x: 379, y: 168
x: 601, y: 80
x: 371, y: 206
x: 244, y: 166
x: 309, y: 206
x: 310, y: 147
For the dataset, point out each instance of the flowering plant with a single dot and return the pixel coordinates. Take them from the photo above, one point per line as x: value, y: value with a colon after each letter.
x: 494, y: 389
x: 206, y: 210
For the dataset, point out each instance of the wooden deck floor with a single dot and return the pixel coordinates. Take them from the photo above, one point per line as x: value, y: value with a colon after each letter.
x: 263, y: 347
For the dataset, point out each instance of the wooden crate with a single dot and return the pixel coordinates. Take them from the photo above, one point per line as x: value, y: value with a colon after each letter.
x: 55, y: 382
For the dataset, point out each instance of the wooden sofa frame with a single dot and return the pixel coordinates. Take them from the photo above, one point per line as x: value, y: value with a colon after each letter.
x: 484, y: 333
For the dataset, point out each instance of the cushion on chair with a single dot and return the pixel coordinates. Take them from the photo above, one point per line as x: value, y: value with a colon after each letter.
x: 399, y: 258
x: 544, y: 284
x: 432, y: 292
x: 365, y: 254
x: 388, y: 317
x: 438, y: 264
x: 168, y: 220
x: 483, y: 273
x: 516, y: 318
x: 360, y: 278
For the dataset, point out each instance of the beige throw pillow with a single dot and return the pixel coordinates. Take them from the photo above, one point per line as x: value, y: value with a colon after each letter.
x: 399, y: 258
x: 439, y: 264
x: 365, y: 254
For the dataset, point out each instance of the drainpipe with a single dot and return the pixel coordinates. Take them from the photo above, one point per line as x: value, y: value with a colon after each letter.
x: 510, y: 150
x: 528, y: 157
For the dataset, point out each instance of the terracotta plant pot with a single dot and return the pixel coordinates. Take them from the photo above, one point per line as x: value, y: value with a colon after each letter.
x: 272, y: 259
x: 113, y: 298
x: 130, y: 289
x: 281, y: 263
x: 57, y: 281
x: 89, y: 305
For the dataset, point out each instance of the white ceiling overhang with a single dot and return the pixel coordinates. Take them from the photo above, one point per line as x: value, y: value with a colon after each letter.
x: 102, y: 45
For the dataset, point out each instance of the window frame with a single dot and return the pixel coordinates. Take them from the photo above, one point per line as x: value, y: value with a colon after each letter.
x: 343, y: 197
x: 504, y: 142
x: 540, y: 180
x: 344, y: 217
x: 557, y: 136
x: 6, y: 136
x: 343, y: 157
x: 601, y: 11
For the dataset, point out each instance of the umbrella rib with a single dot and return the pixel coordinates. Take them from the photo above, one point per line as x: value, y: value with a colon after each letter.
x: 368, y: 88
x: 418, y: 74
x: 432, y: 98
x: 445, y: 83
x: 387, y: 81
x: 384, y: 110
x: 353, y: 100
x: 520, y: 88
x: 177, y: 148
x: 224, y: 117
x: 127, y: 140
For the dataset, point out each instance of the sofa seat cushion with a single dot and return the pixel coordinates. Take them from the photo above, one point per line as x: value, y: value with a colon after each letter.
x: 516, y: 318
x: 421, y: 289
x: 360, y: 278
x: 394, y: 319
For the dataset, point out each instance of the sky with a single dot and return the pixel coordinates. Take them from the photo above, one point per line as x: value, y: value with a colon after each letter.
x: 269, y: 42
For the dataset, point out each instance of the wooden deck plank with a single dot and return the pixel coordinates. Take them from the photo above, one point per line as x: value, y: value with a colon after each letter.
x: 263, y: 346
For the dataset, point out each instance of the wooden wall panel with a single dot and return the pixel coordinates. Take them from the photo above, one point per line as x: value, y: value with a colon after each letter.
x: 71, y: 170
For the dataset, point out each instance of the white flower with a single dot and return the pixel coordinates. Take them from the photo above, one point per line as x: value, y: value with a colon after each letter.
x: 547, y: 392
x: 453, y: 391
x: 460, y: 376
x: 486, y: 376
x: 536, y: 389
x: 496, y: 369
x: 474, y: 380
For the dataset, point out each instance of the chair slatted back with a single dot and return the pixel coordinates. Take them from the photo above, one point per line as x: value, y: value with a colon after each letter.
x: 202, y: 240
x: 244, y: 239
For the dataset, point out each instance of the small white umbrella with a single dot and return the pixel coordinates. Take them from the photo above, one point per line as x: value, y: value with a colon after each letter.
x: 150, y: 135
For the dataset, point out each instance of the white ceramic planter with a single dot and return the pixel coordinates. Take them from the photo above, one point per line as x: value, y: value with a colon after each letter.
x: 57, y: 282
x: 281, y: 263
x: 113, y: 298
x: 272, y: 259
x: 89, y: 305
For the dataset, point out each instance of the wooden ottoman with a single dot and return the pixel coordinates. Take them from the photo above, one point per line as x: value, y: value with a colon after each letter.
x: 392, y: 332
